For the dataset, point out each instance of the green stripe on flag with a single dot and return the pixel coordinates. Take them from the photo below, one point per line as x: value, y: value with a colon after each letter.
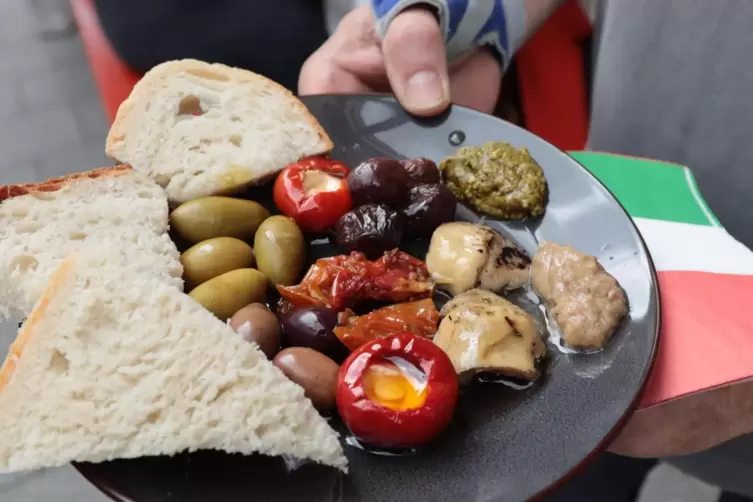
x: 649, y: 188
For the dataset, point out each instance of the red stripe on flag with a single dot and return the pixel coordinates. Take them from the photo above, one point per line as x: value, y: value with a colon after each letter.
x: 707, y: 334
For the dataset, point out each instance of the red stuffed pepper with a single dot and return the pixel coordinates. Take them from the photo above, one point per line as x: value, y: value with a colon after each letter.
x: 386, y: 404
x: 313, y: 192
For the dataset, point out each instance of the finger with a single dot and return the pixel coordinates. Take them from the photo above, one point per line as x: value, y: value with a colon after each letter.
x: 476, y: 82
x: 343, y: 63
x: 327, y: 78
x: 324, y: 76
x: 414, y: 56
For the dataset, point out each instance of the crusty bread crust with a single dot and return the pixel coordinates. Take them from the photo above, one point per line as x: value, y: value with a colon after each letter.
x: 55, y: 184
x: 142, y: 88
x: 35, y: 317
x: 70, y: 380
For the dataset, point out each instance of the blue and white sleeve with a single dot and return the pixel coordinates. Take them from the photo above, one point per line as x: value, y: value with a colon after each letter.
x: 465, y: 24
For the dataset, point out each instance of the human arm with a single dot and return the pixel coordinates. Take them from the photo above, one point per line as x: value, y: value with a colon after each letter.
x: 403, y: 47
x: 501, y: 25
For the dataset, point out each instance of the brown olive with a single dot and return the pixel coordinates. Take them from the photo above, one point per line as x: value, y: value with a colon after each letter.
x: 380, y: 181
x: 312, y: 327
x: 422, y: 170
x: 428, y: 206
x: 371, y: 229
x: 255, y: 323
x: 313, y: 371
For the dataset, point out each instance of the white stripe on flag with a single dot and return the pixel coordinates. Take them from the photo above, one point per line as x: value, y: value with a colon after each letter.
x: 693, y: 187
x: 686, y: 247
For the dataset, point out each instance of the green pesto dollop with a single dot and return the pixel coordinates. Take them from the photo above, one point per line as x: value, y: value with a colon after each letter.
x: 497, y: 179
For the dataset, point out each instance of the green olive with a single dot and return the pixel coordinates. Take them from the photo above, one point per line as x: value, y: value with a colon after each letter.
x: 280, y: 251
x: 226, y: 294
x: 209, y: 217
x: 208, y: 259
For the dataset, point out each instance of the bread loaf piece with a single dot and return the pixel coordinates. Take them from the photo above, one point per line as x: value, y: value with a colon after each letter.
x: 42, y: 223
x: 203, y: 129
x: 114, y: 363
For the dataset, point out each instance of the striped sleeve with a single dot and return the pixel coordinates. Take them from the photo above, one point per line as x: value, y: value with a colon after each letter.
x: 465, y: 24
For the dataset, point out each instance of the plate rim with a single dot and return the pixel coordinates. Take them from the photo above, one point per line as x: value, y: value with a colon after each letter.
x: 86, y: 470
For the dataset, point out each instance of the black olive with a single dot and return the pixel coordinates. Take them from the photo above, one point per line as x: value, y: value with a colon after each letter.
x: 421, y: 170
x: 371, y: 229
x: 312, y: 327
x: 379, y: 181
x: 428, y: 207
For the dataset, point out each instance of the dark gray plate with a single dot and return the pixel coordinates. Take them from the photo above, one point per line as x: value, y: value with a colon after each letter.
x: 504, y: 444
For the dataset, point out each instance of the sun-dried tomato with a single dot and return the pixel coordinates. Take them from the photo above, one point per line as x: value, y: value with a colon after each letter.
x: 419, y: 317
x: 341, y: 281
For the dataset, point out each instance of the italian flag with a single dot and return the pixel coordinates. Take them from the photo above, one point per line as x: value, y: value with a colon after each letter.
x: 705, y: 276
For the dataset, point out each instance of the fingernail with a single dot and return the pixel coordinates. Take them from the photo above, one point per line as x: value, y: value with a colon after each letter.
x: 424, y: 90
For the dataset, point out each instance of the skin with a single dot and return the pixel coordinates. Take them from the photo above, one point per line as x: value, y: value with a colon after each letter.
x: 410, y: 62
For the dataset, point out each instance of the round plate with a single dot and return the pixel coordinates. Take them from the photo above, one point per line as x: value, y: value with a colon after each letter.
x: 504, y: 444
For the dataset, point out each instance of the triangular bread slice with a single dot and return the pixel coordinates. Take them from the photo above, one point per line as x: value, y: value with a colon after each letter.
x: 114, y: 363
x: 43, y: 223
x: 203, y: 129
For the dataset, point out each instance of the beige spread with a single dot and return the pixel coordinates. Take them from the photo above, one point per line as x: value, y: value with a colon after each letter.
x: 585, y: 302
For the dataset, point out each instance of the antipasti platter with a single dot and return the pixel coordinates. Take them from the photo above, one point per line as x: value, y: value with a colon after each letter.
x: 374, y: 306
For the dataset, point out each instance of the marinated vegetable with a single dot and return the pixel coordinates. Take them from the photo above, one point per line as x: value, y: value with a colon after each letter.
x: 313, y: 192
x: 280, y: 250
x: 227, y: 293
x: 421, y: 170
x: 497, y: 179
x: 419, y: 317
x: 214, y: 257
x: 481, y: 331
x: 209, y: 217
x: 371, y: 229
x: 343, y: 280
x: 428, y: 207
x: 315, y: 372
x: 465, y: 255
x: 397, y: 404
x: 255, y: 323
x: 312, y: 327
x: 379, y: 181
x: 584, y: 300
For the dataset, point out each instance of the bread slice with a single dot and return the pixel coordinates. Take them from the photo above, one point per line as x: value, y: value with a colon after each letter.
x: 42, y: 223
x: 204, y: 129
x: 113, y: 363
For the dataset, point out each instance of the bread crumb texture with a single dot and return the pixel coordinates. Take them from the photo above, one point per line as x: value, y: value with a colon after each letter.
x: 201, y: 129
x: 115, y: 363
x: 42, y: 224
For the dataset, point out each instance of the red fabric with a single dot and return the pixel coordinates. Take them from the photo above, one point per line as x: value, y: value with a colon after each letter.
x: 113, y: 78
x: 553, y: 81
x: 690, y: 320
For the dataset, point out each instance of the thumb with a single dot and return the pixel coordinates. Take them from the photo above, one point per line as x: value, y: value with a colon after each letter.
x: 414, y: 56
